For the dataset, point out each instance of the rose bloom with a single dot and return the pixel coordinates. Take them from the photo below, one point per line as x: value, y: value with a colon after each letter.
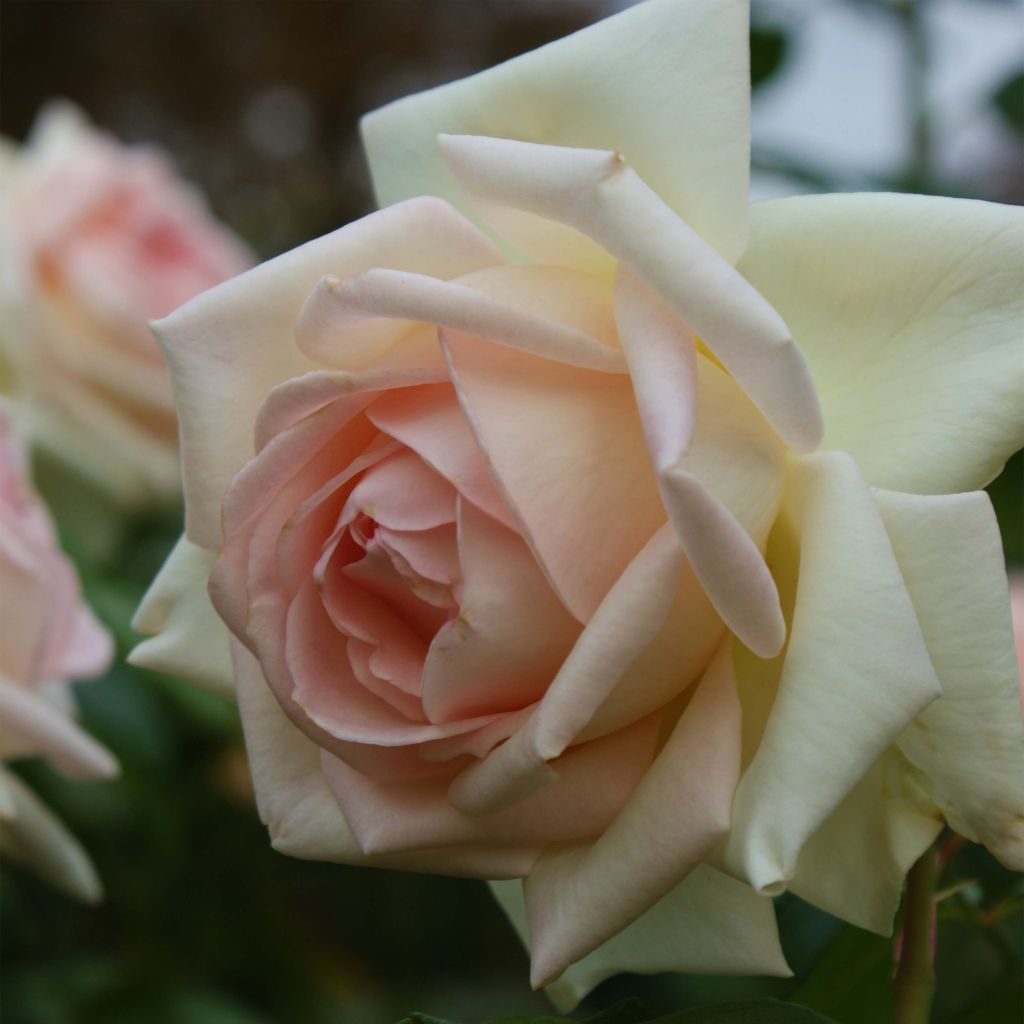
x: 95, y: 239
x: 557, y: 548
x: 47, y: 637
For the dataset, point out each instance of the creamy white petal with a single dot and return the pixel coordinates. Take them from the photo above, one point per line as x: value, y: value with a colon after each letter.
x: 336, y: 305
x: 189, y: 639
x: 708, y: 924
x: 599, y: 194
x: 666, y: 83
x: 855, y: 864
x: 970, y: 742
x: 678, y: 813
x: 854, y: 674
x: 909, y: 311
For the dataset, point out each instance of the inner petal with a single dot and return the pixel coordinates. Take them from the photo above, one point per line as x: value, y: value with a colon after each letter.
x: 511, y: 634
x: 376, y: 574
x: 429, y: 420
x: 427, y: 561
x: 403, y: 493
x: 367, y: 614
x: 360, y: 657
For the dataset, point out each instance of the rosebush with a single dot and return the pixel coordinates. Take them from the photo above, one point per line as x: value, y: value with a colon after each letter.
x: 573, y: 523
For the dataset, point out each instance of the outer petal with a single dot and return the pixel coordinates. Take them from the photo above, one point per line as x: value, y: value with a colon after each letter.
x: 908, y: 310
x: 855, y: 864
x: 664, y: 82
x: 30, y: 833
x: 854, y: 674
x: 578, y: 899
x: 229, y: 346
x: 596, y: 780
x: 190, y: 640
x: 970, y: 742
x: 708, y: 924
x: 39, y: 727
x: 297, y: 807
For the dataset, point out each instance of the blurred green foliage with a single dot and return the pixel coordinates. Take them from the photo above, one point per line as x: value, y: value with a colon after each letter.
x: 633, y: 1011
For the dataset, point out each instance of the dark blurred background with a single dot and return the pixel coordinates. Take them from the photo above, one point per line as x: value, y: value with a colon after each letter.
x: 258, y: 104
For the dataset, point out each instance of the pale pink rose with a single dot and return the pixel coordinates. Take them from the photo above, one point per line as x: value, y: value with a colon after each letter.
x: 531, y: 570
x: 97, y: 238
x: 47, y: 637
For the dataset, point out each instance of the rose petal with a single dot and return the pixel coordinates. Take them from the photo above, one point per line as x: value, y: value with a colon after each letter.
x: 578, y: 899
x: 302, y: 816
x: 189, y: 639
x: 595, y: 780
x: 623, y: 626
x: 510, y: 636
x: 854, y: 674
x: 229, y: 346
x: 566, y: 448
x: 708, y: 924
x: 888, y: 813
x: 30, y: 834
x: 664, y: 82
x: 430, y: 421
x: 600, y: 195
x: 338, y: 308
x: 908, y: 310
x: 969, y: 742
x: 49, y: 731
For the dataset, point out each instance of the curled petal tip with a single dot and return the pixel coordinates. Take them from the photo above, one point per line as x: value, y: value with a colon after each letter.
x: 769, y: 637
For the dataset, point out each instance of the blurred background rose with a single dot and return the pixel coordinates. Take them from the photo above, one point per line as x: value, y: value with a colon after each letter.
x: 96, y: 238
x: 258, y: 103
x: 47, y: 638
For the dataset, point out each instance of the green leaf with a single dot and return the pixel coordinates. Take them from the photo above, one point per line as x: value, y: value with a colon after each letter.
x: 629, y: 1011
x: 851, y: 980
x: 760, y: 1011
x: 632, y: 1011
x: 1002, y: 1005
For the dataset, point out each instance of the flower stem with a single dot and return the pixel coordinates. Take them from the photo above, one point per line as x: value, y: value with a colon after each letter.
x: 914, y: 980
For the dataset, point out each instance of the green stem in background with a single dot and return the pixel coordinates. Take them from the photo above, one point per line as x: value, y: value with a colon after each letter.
x: 918, y: 56
x: 914, y: 981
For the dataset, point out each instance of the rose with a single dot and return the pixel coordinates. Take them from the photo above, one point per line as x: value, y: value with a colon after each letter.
x: 96, y: 238
x: 47, y: 637
x: 508, y: 550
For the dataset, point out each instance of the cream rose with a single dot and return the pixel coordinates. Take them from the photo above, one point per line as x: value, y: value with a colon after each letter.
x: 96, y: 238
x: 531, y: 566
x: 47, y: 637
